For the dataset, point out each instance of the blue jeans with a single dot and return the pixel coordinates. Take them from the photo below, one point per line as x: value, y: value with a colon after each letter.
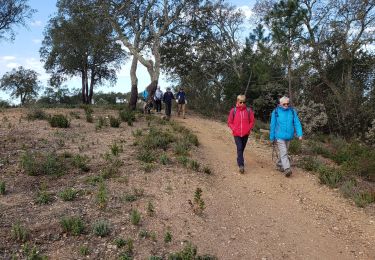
x: 241, y: 144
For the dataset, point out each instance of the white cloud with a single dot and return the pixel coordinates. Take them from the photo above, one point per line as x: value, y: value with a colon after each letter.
x: 12, y: 65
x: 37, y: 23
x: 246, y: 10
x: 37, y: 41
x: 7, y: 58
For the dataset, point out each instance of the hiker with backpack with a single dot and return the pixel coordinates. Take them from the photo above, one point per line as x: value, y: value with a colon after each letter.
x: 158, y: 97
x: 181, y: 101
x: 241, y: 122
x: 167, y: 98
x: 284, y: 125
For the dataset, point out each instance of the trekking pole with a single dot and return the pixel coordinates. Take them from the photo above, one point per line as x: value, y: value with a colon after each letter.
x: 248, y: 82
x: 274, y: 152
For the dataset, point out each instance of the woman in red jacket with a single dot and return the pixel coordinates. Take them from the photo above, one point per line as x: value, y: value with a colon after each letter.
x: 241, y: 121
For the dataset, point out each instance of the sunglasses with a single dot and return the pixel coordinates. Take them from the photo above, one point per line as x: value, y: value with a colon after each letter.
x: 241, y: 102
x: 286, y: 104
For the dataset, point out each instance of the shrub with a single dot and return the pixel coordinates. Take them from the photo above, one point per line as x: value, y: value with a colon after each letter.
x: 60, y: 121
x: 68, y: 194
x: 2, y: 187
x: 101, y: 228
x: 167, y: 237
x: 189, y: 253
x: 146, y: 156
x: 102, y: 196
x: 330, y: 176
x: 72, y: 225
x: 120, y: 242
x: 348, y: 188
x: 309, y: 163
x: 116, y: 149
x: 114, y: 122
x: 157, y: 139
x: 42, y: 164
x: 19, y: 232
x: 364, y: 198
x: 295, y: 146
x: 181, y: 148
x: 80, y: 162
x: 313, y: 117
x: 164, y: 159
x: 127, y: 115
x: 194, y: 165
x: 43, y: 197
x: 36, y: 114
x: 84, y: 250
x: 135, y: 217
x: 370, y: 135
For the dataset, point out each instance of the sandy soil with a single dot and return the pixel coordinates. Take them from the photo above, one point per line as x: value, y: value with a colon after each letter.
x: 264, y: 215
x: 257, y: 215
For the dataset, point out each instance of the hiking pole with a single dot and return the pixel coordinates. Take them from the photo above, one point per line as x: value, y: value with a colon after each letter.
x: 248, y: 82
x: 274, y: 152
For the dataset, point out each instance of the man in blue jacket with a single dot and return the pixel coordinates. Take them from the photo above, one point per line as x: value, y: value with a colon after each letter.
x: 284, y: 125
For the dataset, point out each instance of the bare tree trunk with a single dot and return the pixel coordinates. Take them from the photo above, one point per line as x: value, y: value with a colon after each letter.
x: 83, y: 87
x: 134, y: 82
x: 91, y: 93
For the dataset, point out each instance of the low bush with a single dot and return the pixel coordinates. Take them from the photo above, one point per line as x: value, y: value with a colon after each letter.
x: 114, y: 122
x: 101, y: 228
x: 330, y: 176
x: 128, y: 116
x: 59, y: 120
x: 19, y: 232
x: 42, y: 164
x: 135, y: 217
x: 68, y: 194
x: 36, y: 114
x: 72, y: 225
x: 362, y: 199
x: 310, y: 163
x: 295, y: 146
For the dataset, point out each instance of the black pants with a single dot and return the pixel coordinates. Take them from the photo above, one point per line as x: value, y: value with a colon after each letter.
x: 241, y: 144
x: 158, y: 105
x: 168, y: 108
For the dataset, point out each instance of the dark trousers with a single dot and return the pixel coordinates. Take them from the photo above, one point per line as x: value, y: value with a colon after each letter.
x: 241, y: 144
x: 158, y: 105
x: 168, y: 108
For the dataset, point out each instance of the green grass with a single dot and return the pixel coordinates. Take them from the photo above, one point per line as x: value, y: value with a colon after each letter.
x: 68, y: 194
x: 72, y: 225
x: 101, y: 228
x: 135, y: 217
x: 19, y: 232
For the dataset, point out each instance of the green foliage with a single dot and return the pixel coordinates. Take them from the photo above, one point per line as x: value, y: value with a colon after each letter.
x: 72, y: 225
x: 42, y: 164
x: 127, y: 115
x: 194, y: 165
x: 59, y: 120
x: 36, y: 114
x: 135, y: 217
x: 157, y: 139
x: 364, y: 198
x: 330, y: 176
x: 116, y: 149
x: 128, y: 252
x: 120, y: 242
x: 181, y: 148
x: 310, y: 163
x: 295, y: 146
x: 80, y: 162
x: 189, y: 252
x: 146, y: 156
x: 101, y: 228
x: 164, y: 159
x: 43, y: 196
x: 32, y: 253
x: 68, y: 194
x: 19, y: 232
x: 348, y: 188
x: 102, y: 195
x: 114, y: 122
x: 183, y: 160
x: 2, y: 188
x: 84, y: 250
x: 167, y: 237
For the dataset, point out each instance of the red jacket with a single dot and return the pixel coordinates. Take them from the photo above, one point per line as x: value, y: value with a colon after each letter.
x: 242, y: 123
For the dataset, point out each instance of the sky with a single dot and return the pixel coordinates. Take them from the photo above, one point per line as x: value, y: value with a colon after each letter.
x: 24, y: 51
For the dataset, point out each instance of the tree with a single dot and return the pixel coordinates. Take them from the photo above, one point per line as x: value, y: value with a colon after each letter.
x: 78, y: 42
x: 22, y: 83
x: 285, y: 21
x: 163, y: 17
x: 13, y: 13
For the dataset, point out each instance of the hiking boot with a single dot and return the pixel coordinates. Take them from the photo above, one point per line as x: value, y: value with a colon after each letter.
x: 288, y: 172
x: 242, y: 169
x: 279, y: 168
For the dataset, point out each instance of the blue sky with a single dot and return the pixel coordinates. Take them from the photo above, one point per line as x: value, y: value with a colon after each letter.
x: 24, y: 50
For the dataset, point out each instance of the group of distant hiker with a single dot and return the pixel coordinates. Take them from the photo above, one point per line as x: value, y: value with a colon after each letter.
x: 167, y: 97
x: 284, y: 125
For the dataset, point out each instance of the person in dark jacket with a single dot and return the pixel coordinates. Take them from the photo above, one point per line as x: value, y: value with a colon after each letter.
x: 167, y: 99
x: 241, y: 122
x: 181, y: 102
x: 284, y: 125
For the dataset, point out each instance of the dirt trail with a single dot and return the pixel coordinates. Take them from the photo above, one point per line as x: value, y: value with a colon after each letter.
x: 263, y: 215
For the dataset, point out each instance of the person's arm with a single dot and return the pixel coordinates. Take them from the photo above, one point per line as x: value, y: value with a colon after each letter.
x: 252, y: 119
x: 272, y: 126
x: 297, y: 125
x: 230, y: 119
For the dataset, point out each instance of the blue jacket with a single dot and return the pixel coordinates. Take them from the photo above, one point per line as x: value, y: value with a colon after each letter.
x: 284, y: 123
